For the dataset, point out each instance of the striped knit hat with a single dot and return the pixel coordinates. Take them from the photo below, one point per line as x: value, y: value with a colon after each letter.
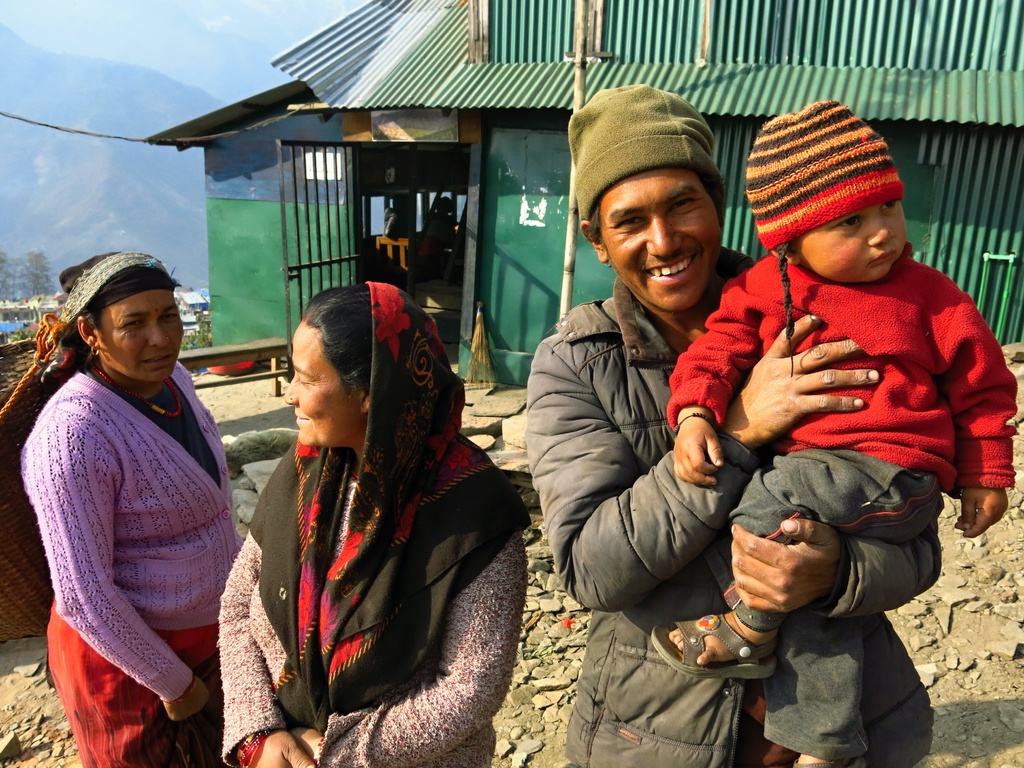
x: 813, y: 166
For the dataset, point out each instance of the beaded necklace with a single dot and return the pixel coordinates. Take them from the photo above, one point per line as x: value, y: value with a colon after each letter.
x: 162, y: 411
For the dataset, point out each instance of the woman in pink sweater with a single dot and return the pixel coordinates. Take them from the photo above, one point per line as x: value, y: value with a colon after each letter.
x: 126, y: 473
x: 373, y: 614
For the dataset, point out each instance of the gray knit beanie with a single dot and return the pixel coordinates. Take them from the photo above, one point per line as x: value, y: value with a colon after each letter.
x: 635, y: 128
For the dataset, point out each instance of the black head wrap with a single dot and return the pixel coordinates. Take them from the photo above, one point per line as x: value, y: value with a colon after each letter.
x: 92, y: 285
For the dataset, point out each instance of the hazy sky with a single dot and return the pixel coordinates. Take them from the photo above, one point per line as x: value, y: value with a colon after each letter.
x: 185, y: 39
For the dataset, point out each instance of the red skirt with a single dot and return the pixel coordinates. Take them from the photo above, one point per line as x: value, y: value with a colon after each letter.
x: 118, y: 723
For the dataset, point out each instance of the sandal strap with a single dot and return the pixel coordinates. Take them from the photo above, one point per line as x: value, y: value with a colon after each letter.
x: 715, y: 624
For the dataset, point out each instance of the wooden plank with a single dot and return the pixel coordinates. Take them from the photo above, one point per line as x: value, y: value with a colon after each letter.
x: 273, y: 349
x: 263, y: 349
x: 223, y: 381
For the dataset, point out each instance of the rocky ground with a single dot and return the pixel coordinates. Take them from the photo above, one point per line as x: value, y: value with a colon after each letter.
x: 965, y: 634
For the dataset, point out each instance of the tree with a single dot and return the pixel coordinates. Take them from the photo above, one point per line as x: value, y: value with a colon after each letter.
x: 37, y: 277
x: 7, y: 275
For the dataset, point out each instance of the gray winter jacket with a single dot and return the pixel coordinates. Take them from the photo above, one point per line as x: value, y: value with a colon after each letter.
x: 627, y: 536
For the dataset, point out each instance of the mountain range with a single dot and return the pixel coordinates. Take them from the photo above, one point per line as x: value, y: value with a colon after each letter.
x: 73, y: 195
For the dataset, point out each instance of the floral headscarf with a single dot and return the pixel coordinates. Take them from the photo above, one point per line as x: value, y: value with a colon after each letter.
x: 429, y: 513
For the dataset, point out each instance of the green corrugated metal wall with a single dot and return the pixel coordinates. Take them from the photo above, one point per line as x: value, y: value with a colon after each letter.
x: 979, y: 208
x: 912, y: 34
x: 965, y: 194
x: 530, y: 30
x: 964, y: 197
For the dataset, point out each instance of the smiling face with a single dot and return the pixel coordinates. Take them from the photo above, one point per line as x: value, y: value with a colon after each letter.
x: 136, y: 340
x: 659, y: 231
x: 860, y: 247
x: 328, y: 414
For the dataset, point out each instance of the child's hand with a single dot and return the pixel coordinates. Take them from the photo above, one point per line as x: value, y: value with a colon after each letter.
x: 697, y: 452
x: 980, y: 509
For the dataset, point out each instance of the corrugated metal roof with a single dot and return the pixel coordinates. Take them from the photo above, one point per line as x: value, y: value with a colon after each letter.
x: 994, y: 98
x: 253, y: 108
x: 433, y: 73
x: 347, y: 59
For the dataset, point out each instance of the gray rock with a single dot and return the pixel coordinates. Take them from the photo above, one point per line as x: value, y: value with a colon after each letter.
x: 257, y: 446
x: 29, y: 670
x: 503, y: 748
x: 513, y: 431
x: 917, y: 642
x: 552, y: 683
x: 929, y: 673
x: 484, y: 442
x: 1011, y: 716
x: 481, y: 425
x: 1006, y: 649
x: 1012, y: 611
x: 952, y: 595
x: 259, y: 472
x: 530, y: 746
x: 1012, y: 631
x: 244, y: 504
x: 500, y: 402
x: 10, y: 746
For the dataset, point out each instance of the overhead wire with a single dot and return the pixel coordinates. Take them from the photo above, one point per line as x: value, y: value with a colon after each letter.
x: 189, y: 140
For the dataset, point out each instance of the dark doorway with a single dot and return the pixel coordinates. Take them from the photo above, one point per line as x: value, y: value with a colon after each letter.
x: 412, y: 203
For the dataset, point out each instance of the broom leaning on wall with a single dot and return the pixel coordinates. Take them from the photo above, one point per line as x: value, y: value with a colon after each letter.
x: 481, y: 370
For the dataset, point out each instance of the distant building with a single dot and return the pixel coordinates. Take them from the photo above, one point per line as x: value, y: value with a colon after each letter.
x: 191, y: 302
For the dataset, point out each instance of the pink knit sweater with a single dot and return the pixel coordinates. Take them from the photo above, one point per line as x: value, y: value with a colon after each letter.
x: 137, y: 535
x: 439, y: 719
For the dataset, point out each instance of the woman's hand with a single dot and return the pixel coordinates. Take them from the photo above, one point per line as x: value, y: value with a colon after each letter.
x: 283, y: 749
x: 781, y: 389
x: 310, y: 739
x: 189, y: 703
x: 780, y: 578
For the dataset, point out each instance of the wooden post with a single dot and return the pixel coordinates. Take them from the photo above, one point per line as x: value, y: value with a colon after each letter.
x: 579, y: 98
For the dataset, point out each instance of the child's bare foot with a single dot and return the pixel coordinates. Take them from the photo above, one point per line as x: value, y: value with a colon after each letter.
x: 715, y: 650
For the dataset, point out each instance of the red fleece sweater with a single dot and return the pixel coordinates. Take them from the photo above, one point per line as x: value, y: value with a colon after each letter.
x: 945, y: 395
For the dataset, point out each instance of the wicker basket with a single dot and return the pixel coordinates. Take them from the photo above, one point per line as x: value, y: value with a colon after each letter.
x: 26, y: 595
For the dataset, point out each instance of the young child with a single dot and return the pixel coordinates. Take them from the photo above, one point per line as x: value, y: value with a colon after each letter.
x: 826, y: 200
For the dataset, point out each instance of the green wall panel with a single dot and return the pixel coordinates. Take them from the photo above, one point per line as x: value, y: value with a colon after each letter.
x: 246, y: 286
x: 524, y: 215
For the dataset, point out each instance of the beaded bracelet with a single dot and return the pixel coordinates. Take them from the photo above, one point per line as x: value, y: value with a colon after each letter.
x: 706, y: 418
x: 250, y: 747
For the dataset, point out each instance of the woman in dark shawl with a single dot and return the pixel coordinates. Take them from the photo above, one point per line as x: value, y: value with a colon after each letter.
x: 373, y: 614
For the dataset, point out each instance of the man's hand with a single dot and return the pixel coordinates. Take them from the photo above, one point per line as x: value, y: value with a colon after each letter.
x: 781, y: 389
x: 780, y: 578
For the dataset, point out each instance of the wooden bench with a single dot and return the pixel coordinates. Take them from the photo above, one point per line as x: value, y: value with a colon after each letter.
x: 395, y: 250
x: 275, y: 350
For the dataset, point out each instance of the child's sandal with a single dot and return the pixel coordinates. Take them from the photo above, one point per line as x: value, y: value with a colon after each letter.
x: 751, y: 662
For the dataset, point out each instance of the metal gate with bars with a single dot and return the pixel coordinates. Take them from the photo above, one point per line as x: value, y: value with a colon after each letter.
x: 319, y: 227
